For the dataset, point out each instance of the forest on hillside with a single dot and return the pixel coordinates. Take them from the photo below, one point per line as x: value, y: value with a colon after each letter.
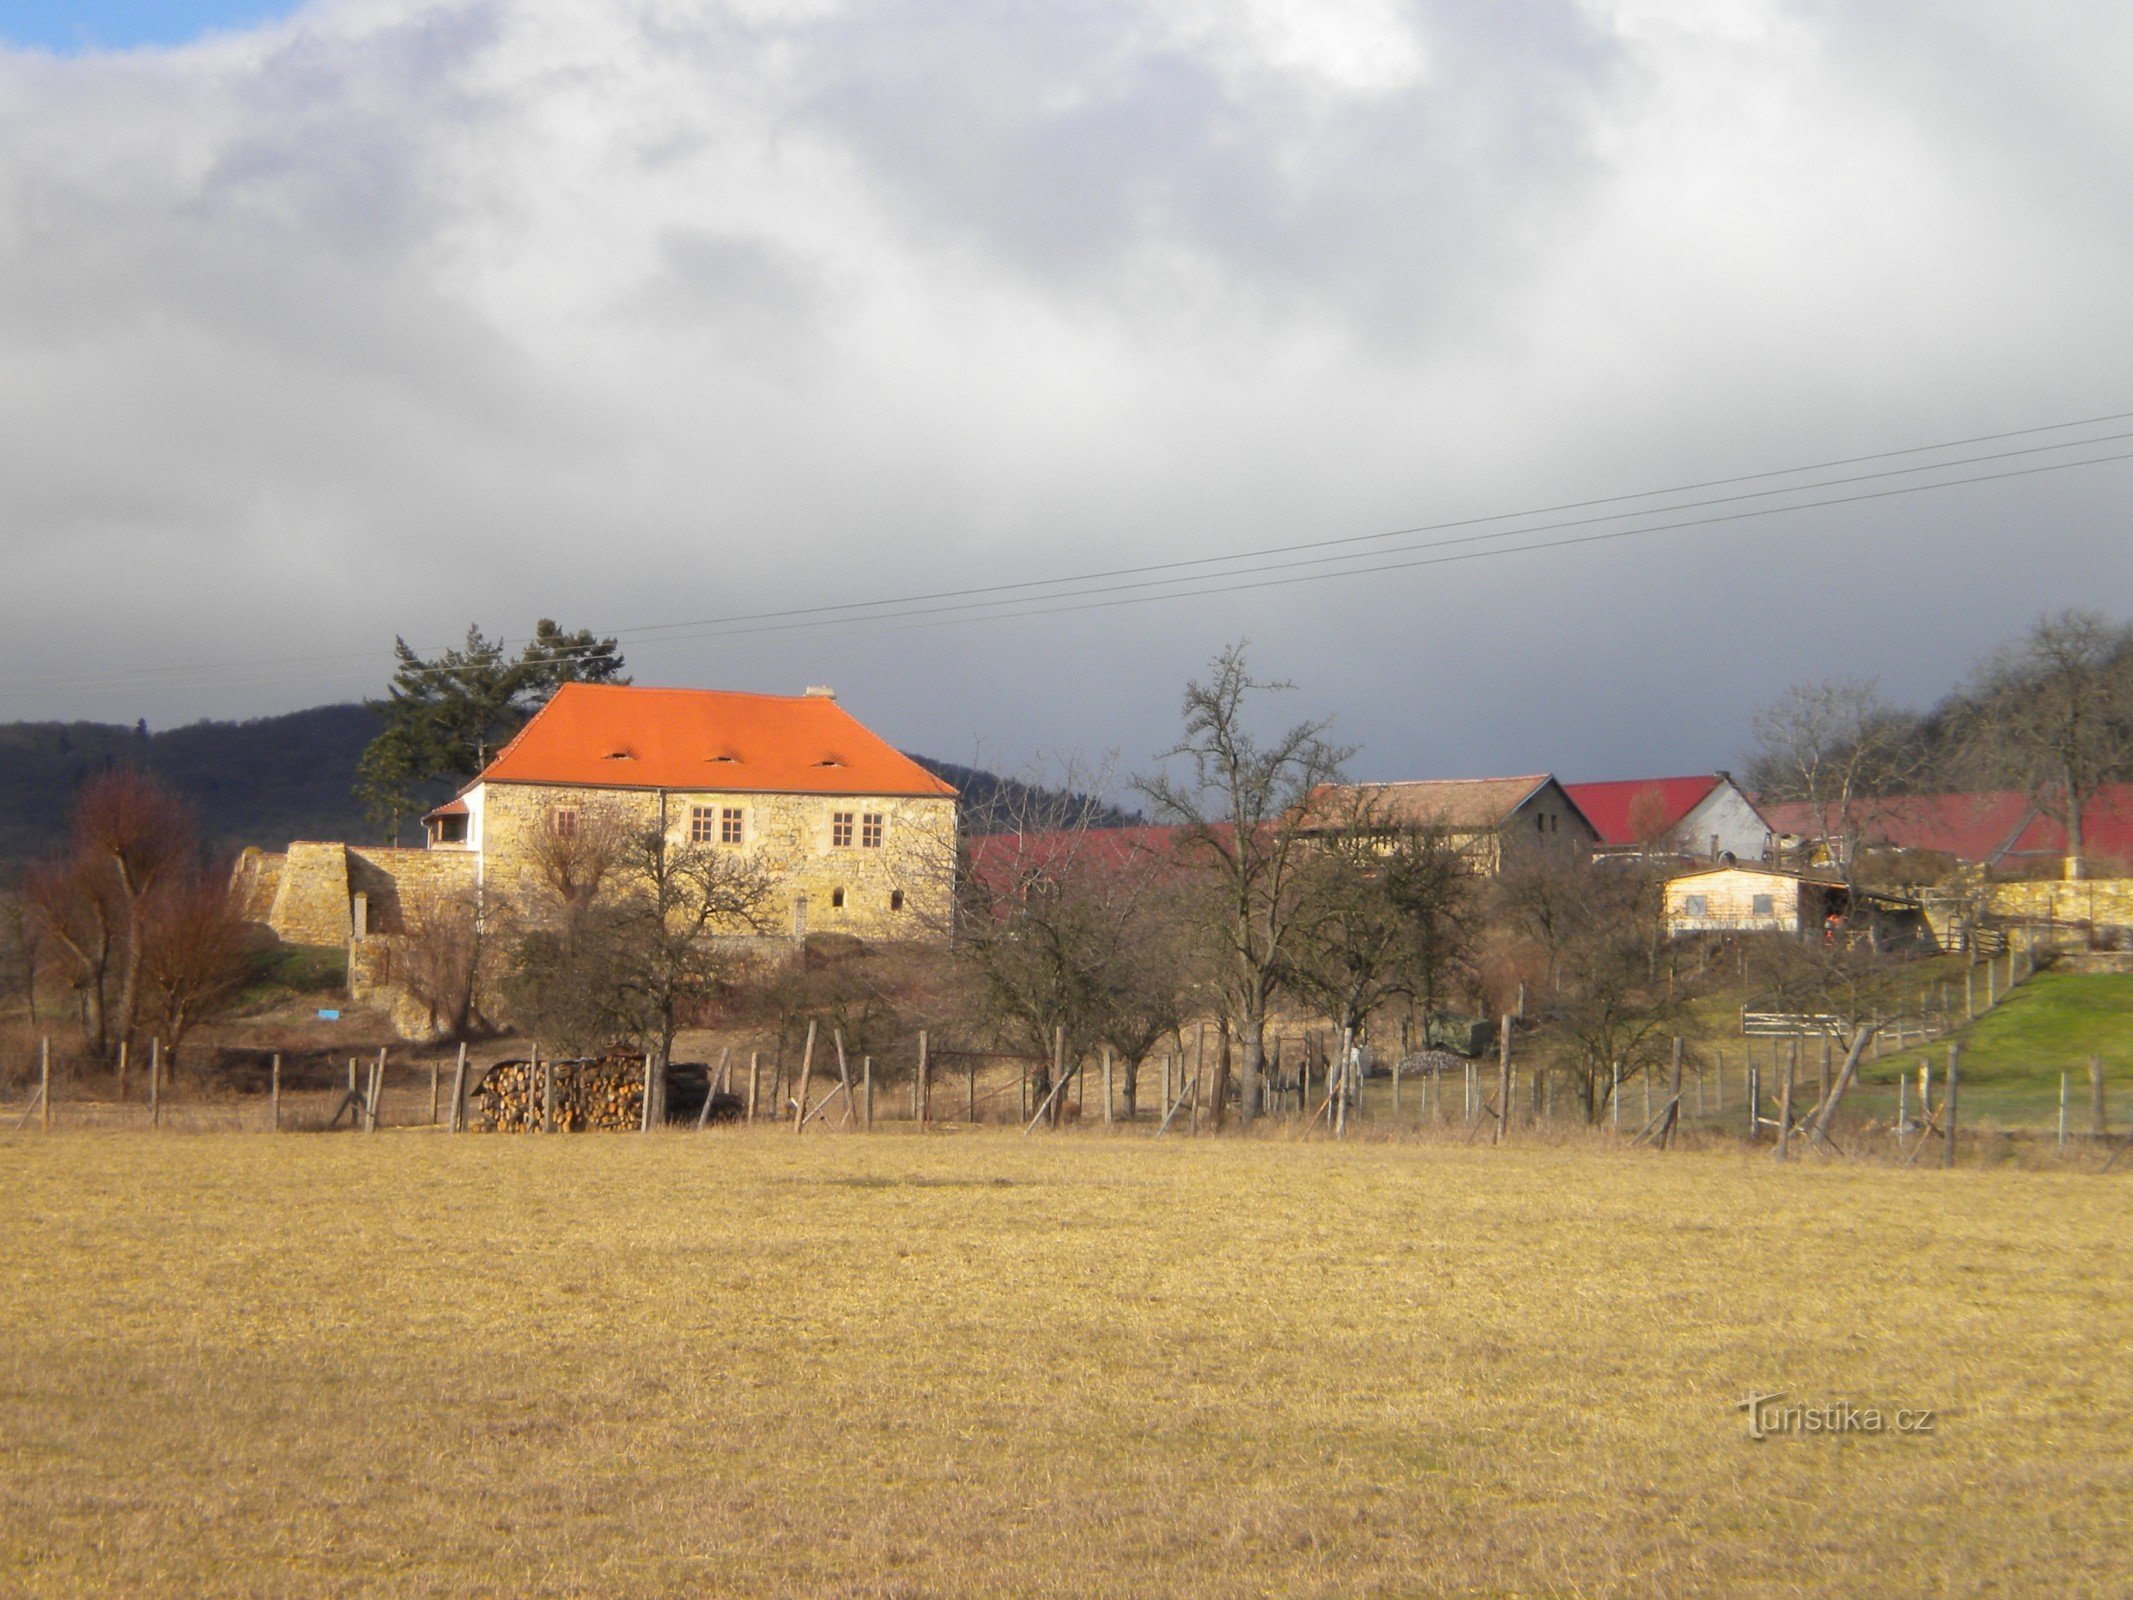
x: 272, y: 779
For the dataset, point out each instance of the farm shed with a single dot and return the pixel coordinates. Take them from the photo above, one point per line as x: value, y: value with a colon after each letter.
x: 1739, y: 899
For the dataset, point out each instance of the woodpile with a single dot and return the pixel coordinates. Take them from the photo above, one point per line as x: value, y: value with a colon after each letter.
x: 596, y: 1092
x: 600, y: 1092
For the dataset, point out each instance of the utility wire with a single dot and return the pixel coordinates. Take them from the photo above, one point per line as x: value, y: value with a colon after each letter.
x: 984, y: 602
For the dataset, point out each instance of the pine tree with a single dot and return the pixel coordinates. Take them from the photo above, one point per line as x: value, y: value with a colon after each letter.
x: 446, y: 717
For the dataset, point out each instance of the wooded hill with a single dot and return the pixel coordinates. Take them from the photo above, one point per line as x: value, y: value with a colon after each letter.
x: 273, y: 779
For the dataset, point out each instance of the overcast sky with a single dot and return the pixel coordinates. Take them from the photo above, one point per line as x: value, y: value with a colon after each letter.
x: 386, y: 316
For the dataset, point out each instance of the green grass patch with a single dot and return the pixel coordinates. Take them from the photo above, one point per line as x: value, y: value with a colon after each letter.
x: 2013, y: 1055
x: 294, y: 969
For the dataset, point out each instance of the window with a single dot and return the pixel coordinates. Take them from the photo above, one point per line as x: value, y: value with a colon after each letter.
x: 896, y: 899
x: 729, y: 825
x: 837, y: 898
x: 702, y: 822
x: 840, y: 830
x: 870, y: 830
x: 1540, y: 823
x: 1762, y: 905
x: 1698, y: 906
x: 563, y: 822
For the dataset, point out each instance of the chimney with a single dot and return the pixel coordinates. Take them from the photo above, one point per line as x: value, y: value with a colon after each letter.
x: 821, y: 691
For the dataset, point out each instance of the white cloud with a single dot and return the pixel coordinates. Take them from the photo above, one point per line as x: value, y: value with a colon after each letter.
x: 397, y: 314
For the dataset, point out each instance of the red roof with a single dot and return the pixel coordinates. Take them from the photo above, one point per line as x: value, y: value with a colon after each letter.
x: 997, y: 857
x: 1609, y: 806
x: 612, y: 736
x: 1994, y: 826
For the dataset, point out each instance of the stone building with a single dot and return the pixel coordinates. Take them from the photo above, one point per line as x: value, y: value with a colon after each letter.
x: 859, y: 838
x: 1497, y: 823
x: 856, y: 837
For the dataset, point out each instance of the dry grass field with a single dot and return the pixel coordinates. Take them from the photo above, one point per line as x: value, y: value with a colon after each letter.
x: 749, y: 1363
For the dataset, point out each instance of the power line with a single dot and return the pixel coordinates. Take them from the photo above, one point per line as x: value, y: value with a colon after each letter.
x: 976, y: 603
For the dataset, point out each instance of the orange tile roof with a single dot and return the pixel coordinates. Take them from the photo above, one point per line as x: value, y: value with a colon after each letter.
x: 610, y: 736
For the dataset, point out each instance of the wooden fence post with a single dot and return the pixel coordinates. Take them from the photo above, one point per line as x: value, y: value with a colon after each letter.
x: 44, y: 1084
x: 844, y: 1071
x: 1755, y: 1099
x: 970, y: 1089
x: 459, y: 1091
x: 155, y: 1081
x: 1108, y: 1118
x: 1955, y: 1078
x: 1784, y: 1148
x: 807, y: 1075
x: 122, y: 1072
x: 377, y: 1092
x: 644, y: 1111
x: 2098, y: 1123
x: 1396, y: 1063
x: 274, y: 1089
x: 755, y: 1079
x: 1673, y: 1090
x: 2062, y: 1113
x: 1503, y: 1079
x: 1059, y: 1075
x: 866, y: 1093
x: 436, y: 1088
x: 925, y: 1085
x: 548, y: 1091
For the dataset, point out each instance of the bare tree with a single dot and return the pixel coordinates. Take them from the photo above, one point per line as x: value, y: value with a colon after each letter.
x: 1836, y: 748
x: 196, y: 953
x: 21, y: 946
x: 142, y: 832
x: 1614, y: 1012
x: 1384, y: 912
x: 1061, y: 925
x: 1241, y: 810
x: 2052, y: 713
x: 444, y: 956
x: 75, y: 904
x: 652, y: 948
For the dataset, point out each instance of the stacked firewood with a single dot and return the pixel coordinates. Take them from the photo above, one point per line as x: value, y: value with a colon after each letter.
x: 599, y: 1092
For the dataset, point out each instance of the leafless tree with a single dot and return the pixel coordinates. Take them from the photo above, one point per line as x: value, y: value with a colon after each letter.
x: 2052, y: 713
x: 1837, y: 748
x: 1384, y: 913
x: 1613, y: 1010
x: 1064, y: 927
x: 656, y: 944
x: 22, y: 946
x: 1241, y: 810
x: 74, y: 902
x: 444, y: 956
x: 142, y: 833
x: 196, y: 953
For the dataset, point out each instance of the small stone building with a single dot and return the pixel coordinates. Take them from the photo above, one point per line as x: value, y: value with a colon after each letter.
x: 1742, y: 899
x: 1498, y: 823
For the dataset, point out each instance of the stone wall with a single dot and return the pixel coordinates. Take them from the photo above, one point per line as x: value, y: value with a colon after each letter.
x: 789, y: 835
x: 2091, y: 902
x: 254, y: 882
x: 396, y: 882
x: 311, y: 896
